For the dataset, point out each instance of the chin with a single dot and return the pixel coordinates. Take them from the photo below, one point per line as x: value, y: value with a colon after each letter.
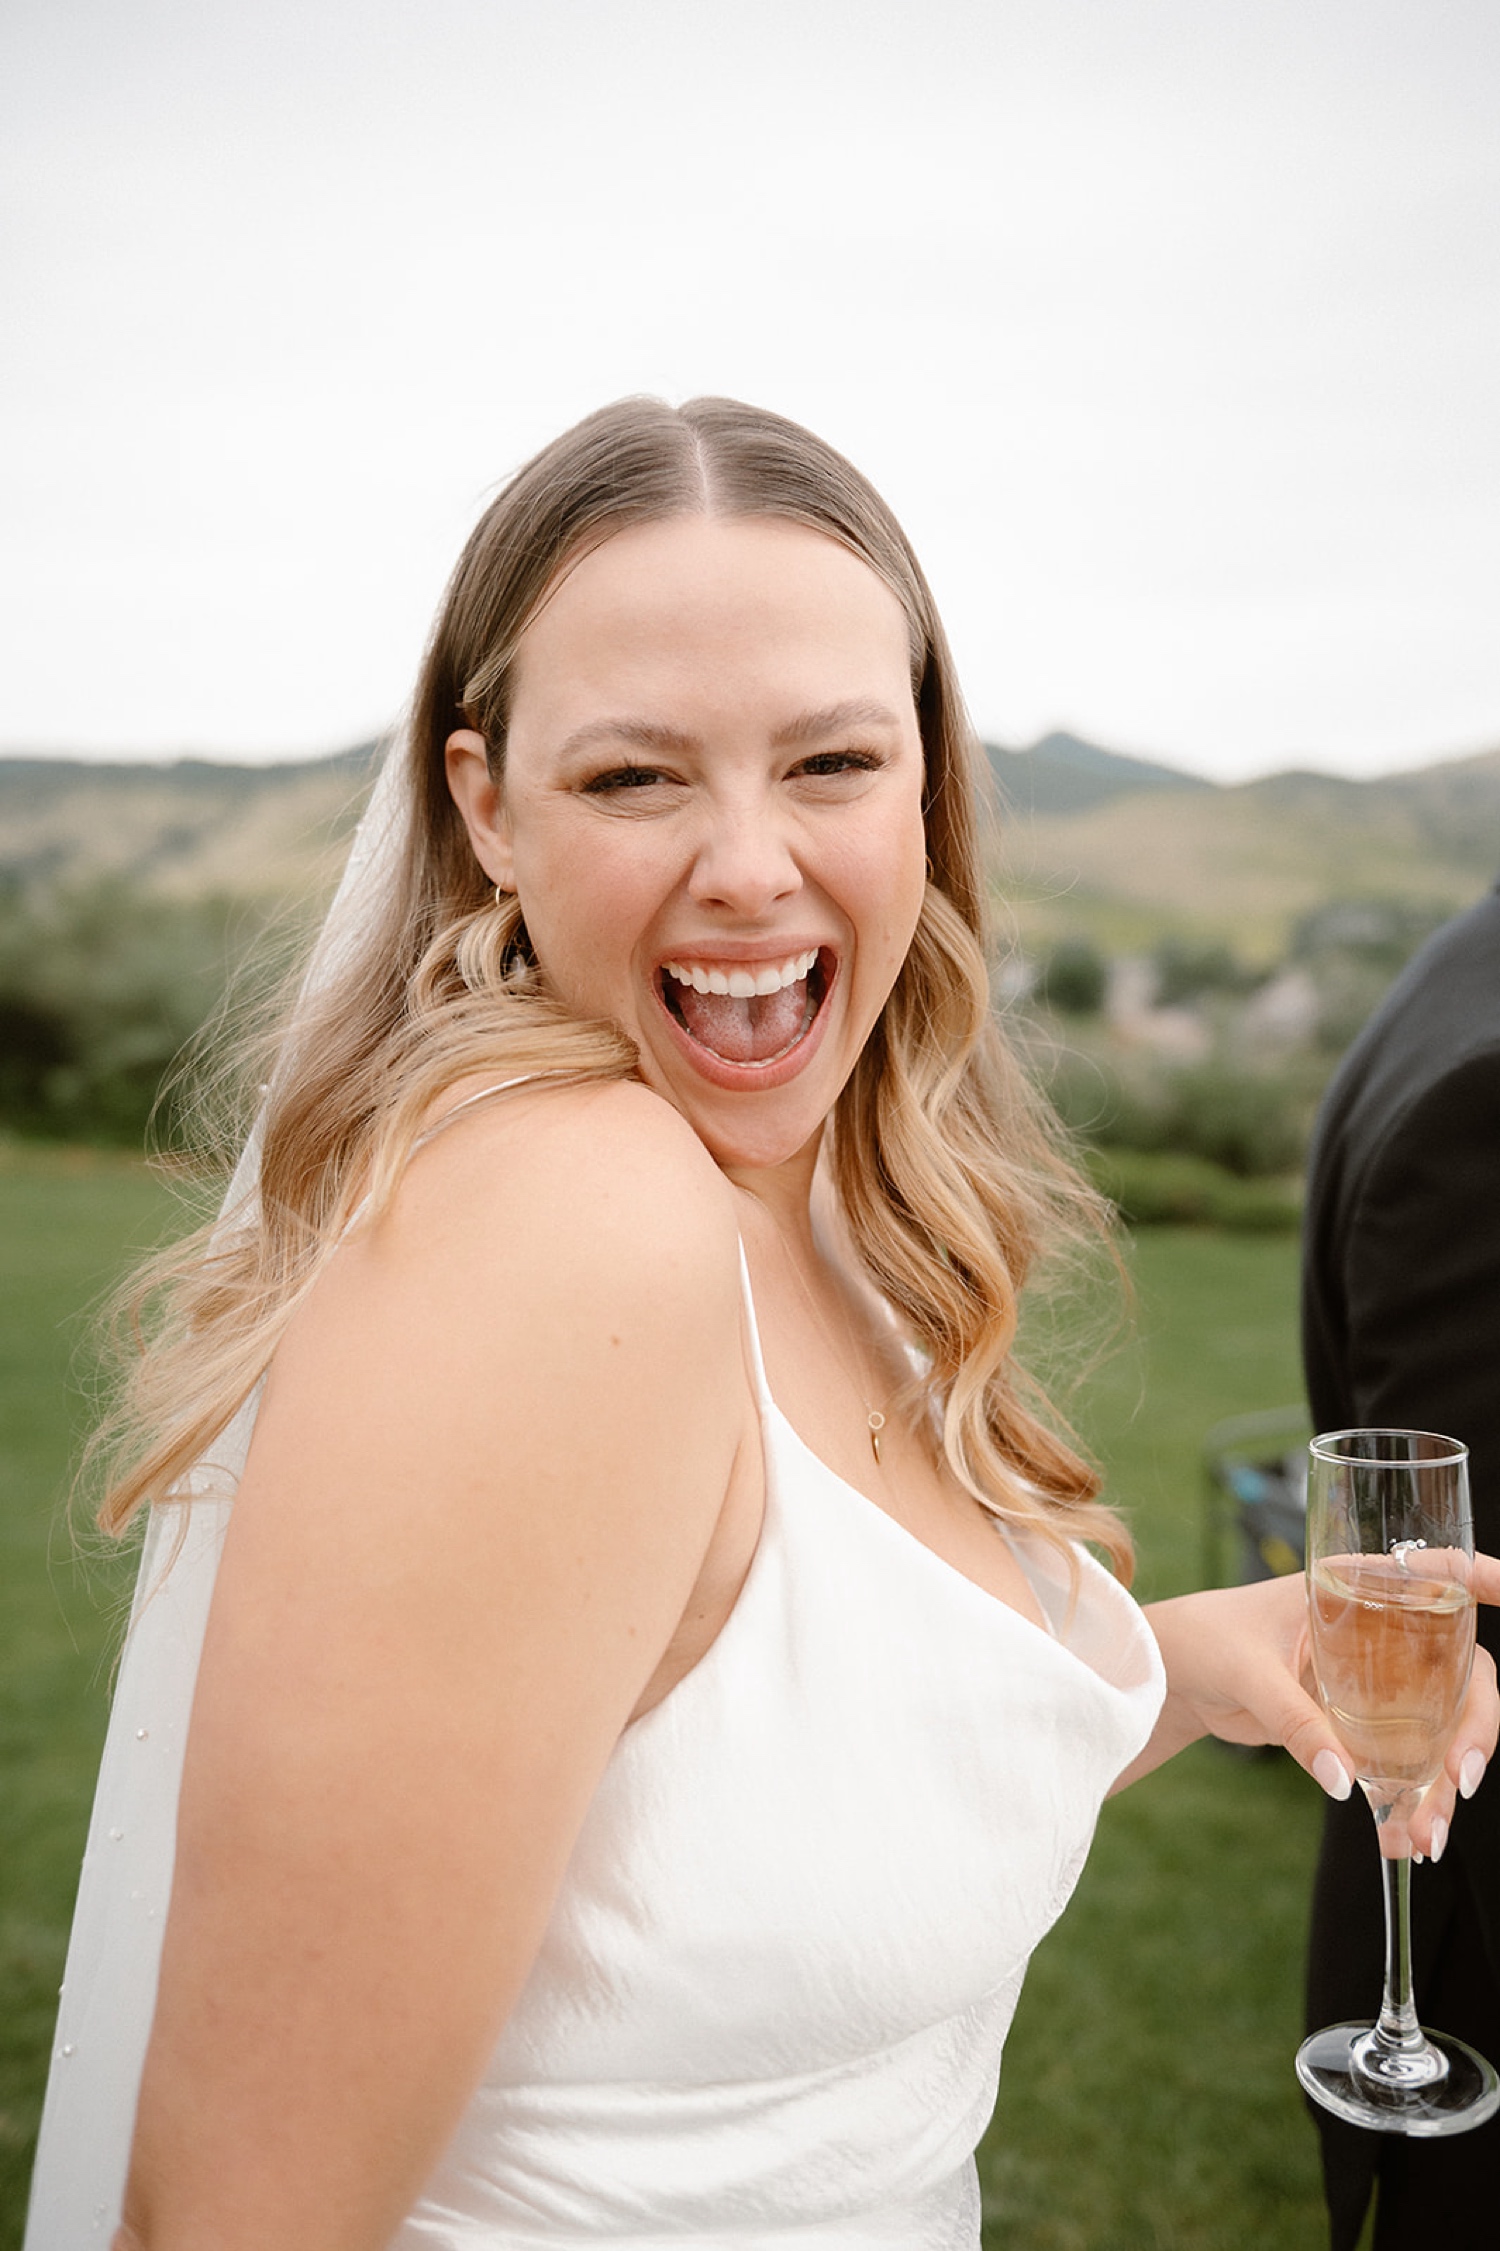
x: 752, y: 1132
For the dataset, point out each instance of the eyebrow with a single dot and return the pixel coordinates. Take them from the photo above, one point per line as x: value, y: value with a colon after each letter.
x: 639, y: 734
x: 859, y: 711
x: 808, y: 726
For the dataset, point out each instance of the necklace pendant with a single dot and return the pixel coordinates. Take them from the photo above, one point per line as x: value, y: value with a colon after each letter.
x: 877, y: 1424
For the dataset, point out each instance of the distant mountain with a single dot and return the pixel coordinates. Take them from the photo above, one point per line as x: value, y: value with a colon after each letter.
x: 1064, y: 774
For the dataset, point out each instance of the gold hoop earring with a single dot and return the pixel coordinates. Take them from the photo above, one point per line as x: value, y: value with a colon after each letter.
x: 493, y: 951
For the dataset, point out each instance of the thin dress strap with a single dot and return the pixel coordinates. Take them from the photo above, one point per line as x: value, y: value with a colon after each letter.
x: 502, y: 1086
x: 752, y: 1330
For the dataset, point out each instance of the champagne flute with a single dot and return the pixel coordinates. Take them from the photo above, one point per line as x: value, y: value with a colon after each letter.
x: 1389, y: 1547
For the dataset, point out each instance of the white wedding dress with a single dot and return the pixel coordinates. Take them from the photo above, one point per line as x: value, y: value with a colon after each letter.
x: 769, y: 2007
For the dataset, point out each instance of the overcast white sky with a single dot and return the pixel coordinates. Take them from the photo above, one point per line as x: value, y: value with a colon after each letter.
x: 1170, y: 327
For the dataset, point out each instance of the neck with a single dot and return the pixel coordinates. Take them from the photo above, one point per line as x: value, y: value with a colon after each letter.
x: 785, y: 1190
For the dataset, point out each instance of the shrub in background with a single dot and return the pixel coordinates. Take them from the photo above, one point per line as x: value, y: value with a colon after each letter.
x: 1192, y: 969
x: 1252, y: 1124
x: 100, y: 991
x: 1074, y: 978
x: 1171, y: 1189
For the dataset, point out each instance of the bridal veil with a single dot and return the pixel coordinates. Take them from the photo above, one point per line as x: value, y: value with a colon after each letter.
x: 109, y: 1987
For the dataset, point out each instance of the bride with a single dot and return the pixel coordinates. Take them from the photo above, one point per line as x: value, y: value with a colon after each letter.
x: 655, y: 1693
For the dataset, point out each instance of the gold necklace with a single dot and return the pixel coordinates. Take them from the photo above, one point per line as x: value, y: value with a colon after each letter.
x: 874, y: 1419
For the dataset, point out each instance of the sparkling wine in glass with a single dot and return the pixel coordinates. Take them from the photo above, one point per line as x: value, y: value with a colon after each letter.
x: 1390, y: 1544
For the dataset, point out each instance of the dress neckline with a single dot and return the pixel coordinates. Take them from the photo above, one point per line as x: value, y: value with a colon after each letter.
x: 767, y: 1403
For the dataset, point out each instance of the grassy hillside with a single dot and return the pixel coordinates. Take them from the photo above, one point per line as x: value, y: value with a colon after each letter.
x: 188, y: 829
x: 1244, y: 864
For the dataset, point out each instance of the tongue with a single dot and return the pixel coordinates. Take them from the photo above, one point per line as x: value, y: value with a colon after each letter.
x: 744, y: 1031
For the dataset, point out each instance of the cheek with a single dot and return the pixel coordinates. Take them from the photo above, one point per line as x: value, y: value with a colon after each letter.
x: 909, y: 882
x: 883, y: 887
x: 586, y: 908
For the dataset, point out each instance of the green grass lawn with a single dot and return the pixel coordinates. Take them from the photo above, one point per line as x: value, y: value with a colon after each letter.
x: 1148, y: 2100
x: 68, y: 1219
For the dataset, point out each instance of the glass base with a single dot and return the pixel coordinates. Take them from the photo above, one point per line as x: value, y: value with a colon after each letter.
x: 1448, y: 2089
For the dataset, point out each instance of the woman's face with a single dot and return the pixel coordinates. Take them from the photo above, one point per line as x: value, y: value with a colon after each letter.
x: 711, y: 812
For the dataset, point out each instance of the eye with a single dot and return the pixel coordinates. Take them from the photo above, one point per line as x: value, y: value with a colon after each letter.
x: 620, y: 779
x: 824, y: 764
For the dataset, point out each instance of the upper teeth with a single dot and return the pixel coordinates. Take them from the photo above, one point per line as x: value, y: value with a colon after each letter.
x: 743, y: 984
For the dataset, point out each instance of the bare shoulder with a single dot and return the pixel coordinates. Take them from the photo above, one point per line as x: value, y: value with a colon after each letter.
x: 599, y: 1177
x: 545, y: 1255
x: 541, y: 1261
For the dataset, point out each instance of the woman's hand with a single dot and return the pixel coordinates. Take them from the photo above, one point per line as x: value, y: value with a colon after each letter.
x: 1239, y: 1667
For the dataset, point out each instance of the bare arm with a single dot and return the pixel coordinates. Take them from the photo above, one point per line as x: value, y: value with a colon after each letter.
x: 489, y: 1462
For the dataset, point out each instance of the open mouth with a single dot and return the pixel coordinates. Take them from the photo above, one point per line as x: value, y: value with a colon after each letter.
x: 746, y: 1013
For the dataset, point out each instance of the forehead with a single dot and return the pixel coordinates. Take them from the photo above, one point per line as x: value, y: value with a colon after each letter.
x: 711, y: 612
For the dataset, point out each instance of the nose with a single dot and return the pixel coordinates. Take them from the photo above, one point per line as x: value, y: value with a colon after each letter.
x: 745, y: 862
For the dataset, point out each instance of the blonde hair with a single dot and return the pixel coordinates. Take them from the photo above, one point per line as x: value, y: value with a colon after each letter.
x: 948, y: 1165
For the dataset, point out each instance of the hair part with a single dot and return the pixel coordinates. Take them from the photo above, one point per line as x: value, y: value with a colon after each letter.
x: 949, y: 1166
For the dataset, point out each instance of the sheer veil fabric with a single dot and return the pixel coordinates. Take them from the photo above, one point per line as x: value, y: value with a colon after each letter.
x: 109, y: 1988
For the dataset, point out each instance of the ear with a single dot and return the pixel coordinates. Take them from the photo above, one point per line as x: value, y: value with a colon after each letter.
x: 481, y: 802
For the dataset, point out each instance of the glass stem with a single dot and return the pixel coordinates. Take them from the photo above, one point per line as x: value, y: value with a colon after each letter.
x: 1397, y: 2026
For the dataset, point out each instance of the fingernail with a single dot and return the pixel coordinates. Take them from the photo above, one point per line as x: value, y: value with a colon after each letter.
x: 1330, y: 1774
x: 1438, y: 1844
x: 1471, y: 1773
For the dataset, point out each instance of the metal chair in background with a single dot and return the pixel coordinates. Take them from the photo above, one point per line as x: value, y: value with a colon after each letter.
x: 1255, y: 1495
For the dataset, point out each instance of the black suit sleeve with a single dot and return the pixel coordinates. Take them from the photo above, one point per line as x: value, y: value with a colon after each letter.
x: 1421, y: 1276
x: 1421, y: 1272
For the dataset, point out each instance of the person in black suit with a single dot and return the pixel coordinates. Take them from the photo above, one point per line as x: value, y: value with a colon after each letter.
x: 1401, y: 1328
